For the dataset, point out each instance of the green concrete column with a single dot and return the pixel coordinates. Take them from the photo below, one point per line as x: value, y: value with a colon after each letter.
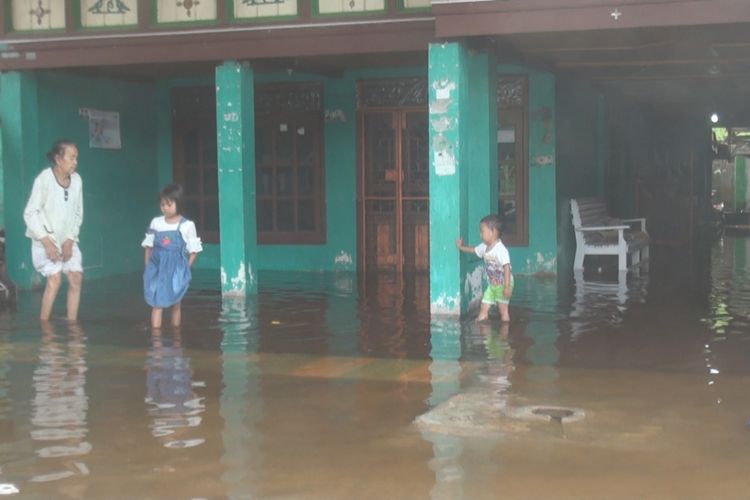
x: 235, y: 125
x: 21, y: 160
x: 463, y: 177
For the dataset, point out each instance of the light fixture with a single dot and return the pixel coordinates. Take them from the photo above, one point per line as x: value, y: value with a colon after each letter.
x: 714, y: 118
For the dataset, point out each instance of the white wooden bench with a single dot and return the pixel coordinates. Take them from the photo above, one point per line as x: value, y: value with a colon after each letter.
x: 599, y: 234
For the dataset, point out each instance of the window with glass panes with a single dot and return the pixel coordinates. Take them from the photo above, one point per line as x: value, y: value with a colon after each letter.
x: 512, y: 158
x: 194, y: 156
x: 289, y: 164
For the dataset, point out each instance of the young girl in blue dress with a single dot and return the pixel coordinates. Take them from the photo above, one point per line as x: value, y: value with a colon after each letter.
x: 171, y: 245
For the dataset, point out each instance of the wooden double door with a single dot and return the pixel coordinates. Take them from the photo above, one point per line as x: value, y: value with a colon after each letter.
x: 394, y: 190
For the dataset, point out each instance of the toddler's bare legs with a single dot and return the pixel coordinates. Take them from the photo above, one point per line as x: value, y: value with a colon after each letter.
x: 177, y: 314
x: 504, y: 313
x: 484, y: 312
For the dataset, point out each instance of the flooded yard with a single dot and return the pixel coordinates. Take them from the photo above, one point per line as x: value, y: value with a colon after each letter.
x: 333, y: 387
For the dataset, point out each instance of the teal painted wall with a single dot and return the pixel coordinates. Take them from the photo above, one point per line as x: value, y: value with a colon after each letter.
x: 540, y: 256
x: 120, y: 186
x: 341, y: 164
x: 19, y: 115
x: 482, y: 155
x: 2, y: 182
x: 340, y: 250
x: 483, y: 172
x: 210, y: 258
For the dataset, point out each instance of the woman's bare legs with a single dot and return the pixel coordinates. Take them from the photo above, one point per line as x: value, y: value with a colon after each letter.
x: 50, y: 294
x: 75, y: 281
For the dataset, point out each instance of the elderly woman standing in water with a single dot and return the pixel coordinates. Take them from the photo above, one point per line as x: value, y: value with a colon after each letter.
x: 53, y: 218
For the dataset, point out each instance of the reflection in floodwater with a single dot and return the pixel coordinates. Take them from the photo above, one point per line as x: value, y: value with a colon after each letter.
x: 470, y: 418
x: 241, y: 404
x: 170, y: 393
x: 6, y: 424
x: 445, y: 374
x: 336, y: 386
x: 596, y: 300
x: 60, y: 405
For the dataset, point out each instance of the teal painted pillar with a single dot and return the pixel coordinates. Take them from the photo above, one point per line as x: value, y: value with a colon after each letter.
x: 235, y: 125
x: 341, y: 178
x: 463, y: 164
x: 22, y: 158
x: 448, y: 175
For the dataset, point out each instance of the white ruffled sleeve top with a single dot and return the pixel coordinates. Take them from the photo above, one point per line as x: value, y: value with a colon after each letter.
x: 187, y: 229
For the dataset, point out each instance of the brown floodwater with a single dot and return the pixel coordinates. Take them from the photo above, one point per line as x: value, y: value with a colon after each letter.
x: 326, y: 386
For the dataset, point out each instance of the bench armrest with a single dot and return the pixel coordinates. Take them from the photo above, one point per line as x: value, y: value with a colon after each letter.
x: 640, y: 220
x: 603, y: 228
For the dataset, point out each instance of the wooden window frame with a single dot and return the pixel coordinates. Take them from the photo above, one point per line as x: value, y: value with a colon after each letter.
x: 178, y: 162
x: 521, y: 237
x: 314, y: 117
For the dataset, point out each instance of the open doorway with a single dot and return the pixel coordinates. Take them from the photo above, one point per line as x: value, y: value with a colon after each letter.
x: 730, y: 189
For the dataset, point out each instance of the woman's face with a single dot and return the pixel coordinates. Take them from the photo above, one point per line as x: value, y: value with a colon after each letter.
x: 68, y: 161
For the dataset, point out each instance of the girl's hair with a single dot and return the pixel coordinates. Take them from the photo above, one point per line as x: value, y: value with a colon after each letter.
x: 494, y: 223
x: 174, y: 193
x: 58, y: 149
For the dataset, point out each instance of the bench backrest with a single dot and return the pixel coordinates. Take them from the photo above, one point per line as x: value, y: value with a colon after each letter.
x: 588, y: 212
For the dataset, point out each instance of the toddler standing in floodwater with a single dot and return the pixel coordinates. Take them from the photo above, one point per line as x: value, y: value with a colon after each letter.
x: 497, y: 267
x: 171, y: 246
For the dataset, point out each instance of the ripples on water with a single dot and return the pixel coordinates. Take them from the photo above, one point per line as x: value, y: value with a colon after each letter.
x: 263, y: 383
x: 173, y: 403
x: 60, y: 405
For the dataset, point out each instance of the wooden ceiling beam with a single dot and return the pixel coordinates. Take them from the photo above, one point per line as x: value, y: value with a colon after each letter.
x: 692, y: 76
x: 648, y: 63
x: 500, y: 18
x: 260, y: 44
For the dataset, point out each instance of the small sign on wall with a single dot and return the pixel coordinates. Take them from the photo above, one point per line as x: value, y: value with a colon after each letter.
x: 506, y: 136
x: 104, y: 128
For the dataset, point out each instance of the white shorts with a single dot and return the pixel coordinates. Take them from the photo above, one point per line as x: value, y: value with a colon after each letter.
x: 48, y: 268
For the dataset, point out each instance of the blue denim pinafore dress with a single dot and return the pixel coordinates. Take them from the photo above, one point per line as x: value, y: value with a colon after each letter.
x: 167, y: 275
